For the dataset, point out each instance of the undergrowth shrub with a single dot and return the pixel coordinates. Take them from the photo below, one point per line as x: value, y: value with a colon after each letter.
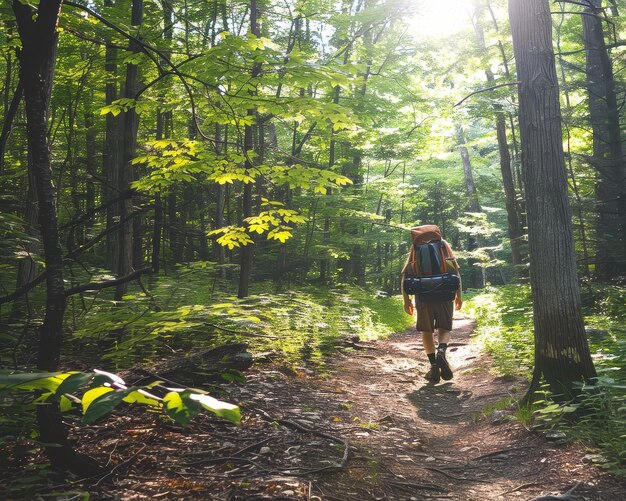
x: 194, y: 310
x: 598, y: 416
x: 504, y: 327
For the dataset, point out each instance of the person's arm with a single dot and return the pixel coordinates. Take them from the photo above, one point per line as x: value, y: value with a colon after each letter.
x: 408, y: 302
x: 458, y: 299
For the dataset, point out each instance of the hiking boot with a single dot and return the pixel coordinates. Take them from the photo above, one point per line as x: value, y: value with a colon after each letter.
x: 433, y: 374
x: 442, y: 363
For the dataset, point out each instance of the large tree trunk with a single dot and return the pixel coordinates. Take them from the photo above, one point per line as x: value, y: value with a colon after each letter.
x: 129, y: 138
x: 561, y: 349
x: 39, y: 37
x: 607, y: 148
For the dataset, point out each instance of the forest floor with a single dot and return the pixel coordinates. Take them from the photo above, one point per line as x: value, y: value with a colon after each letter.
x: 369, y: 428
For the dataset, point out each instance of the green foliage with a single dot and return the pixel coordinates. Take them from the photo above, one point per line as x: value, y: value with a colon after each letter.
x: 504, y: 327
x: 597, y: 418
x: 275, y: 222
x: 14, y: 239
x: 194, y: 310
x: 103, y: 392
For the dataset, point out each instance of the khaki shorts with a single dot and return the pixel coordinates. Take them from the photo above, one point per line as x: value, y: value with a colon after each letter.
x: 431, y: 316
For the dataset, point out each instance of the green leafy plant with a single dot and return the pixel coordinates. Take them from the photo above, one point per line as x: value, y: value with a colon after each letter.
x: 504, y: 327
x: 102, y: 392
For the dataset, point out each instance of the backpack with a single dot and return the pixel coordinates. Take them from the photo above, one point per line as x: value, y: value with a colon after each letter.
x: 429, y: 274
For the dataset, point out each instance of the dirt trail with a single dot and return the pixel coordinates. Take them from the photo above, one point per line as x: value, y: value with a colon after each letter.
x: 408, y: 439
x: 417, y: 440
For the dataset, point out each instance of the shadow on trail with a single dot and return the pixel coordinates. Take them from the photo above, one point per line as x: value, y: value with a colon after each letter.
x: 442, y: 402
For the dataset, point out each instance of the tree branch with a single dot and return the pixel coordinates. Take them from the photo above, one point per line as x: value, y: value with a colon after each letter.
x: 147, y: 49
x: 94, y: 240
x: 582, y: 13
x: 71, y: 256
x: 23, y: 290
x: 96, y: 286
x: 92, y: 212
x: 485, y: 90
x: 8, y: 121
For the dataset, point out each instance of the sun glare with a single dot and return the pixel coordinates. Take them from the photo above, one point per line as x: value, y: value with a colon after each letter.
x: 441, y: 18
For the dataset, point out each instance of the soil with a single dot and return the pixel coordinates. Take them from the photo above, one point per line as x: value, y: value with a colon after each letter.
x: 370, y: 428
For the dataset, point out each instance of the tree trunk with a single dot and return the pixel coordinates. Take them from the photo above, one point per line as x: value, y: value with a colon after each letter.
x: 111, y: 154
x: 219, y: 252
x: 515, y: 227
x: 162, y: 131
x: 90, y: 167
x: 561, y: 349
x: 247, y: 251
x: 174, y: 226
x: 324, y: 263
x: 157, y: 230
x: 37, y: 56
x: 578, y: 207
x: 607, y: 148
x: 126, y: 174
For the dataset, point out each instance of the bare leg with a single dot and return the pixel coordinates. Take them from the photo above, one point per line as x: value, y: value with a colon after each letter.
x: 443, y: 336
x: 429, y: 342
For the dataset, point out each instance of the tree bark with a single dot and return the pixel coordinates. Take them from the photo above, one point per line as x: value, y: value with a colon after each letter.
x: 515, y: 226
x: 608, y: 157
x: 561, y: 349
x: 39, y: 37
x: 325, y: 262
x: 126, y: 171
x: 90, y: 163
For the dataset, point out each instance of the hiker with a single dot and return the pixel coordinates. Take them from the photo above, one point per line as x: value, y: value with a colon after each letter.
x: 436, y: 263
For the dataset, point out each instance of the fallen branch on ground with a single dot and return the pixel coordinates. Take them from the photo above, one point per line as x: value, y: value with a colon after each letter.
x: 297, y: 426
x: 503, y: 451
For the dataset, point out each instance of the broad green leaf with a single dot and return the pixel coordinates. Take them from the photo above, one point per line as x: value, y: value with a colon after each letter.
x: 139, y: 397
x: 179, y: 410
x: 91, y: 395
x: 32, y: 380
x: 104, y: 404
x: 74, y: 382
x: 65, y: 404
x: 222, y: 409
